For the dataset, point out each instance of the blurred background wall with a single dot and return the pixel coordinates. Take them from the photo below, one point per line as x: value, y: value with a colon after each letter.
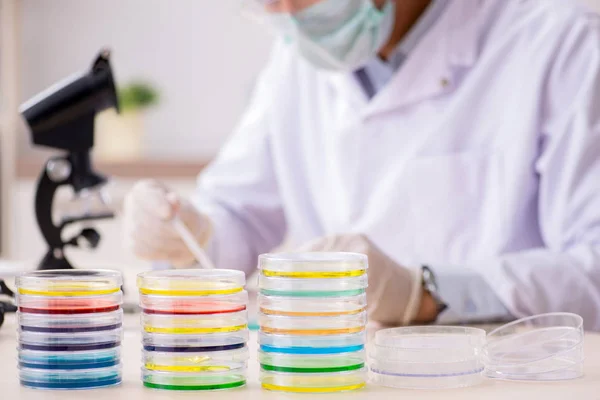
x: 202, y: 56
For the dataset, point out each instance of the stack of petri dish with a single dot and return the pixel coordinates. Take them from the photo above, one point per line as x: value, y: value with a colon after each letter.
x: 195, y: 329
x: 427, y: 357
x: 312, y: 322
x: 545, y: 347
x: 70, y: 329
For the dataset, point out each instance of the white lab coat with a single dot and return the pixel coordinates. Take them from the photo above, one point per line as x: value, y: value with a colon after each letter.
x: 481, y: 158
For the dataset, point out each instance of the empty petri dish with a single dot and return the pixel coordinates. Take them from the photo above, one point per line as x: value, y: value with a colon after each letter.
x: 191, y: 282
x: 312, y: 345
x: 542, y: 347
x: 323, y: 265
x: 195, y: 343
x: 219, y: 380
x: 71, y: 283
x: 311, y: 326
x: 70, y: 305
x: 69, y: 360
x: 194, y: 324
x: 194, y: 305
x: 70, y: 379
x: 311, y: 307
x: 428, y: 357
x: 69, y: 341
x: 68, y: 323
x: 311, y: 364
x: 215, y: 361
x: 290, y: 287
x: 313, y: 383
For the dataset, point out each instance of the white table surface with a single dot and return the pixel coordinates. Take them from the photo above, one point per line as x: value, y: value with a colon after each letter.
x: 587, y: 387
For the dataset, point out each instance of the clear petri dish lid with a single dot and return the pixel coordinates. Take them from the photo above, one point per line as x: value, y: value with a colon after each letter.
x: 194, y: 305
x: 195, y: 343
x: 191, y: 282
x: 311, y: 326
x: 321, y: 288
x: 312, y: 307
x: 541, y: 347
x: 195, y: 324
x: 313, y: 383
x: 70, y: 305
x: 69, y: 283
x: 68, y: 323
x: 427, y: 357
x: 70, y: 379
x: 311, y: 345
x: 52, y: 360
x: 317, y: 265
x: 214, y: 380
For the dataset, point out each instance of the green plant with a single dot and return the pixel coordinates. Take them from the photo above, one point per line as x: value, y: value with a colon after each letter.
x: 137, y: 96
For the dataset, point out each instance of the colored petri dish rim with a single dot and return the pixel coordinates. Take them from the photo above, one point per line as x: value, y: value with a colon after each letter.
x: 194, y: 349
x: 312, y: 293
x: 299, y: 389
x: 80, y: 329
x: 311, y: 314
x: 75, y: 384
x: 314, y: 275
x: 221, y: 386
x: 308, y: 370
x: 192, y: 331
x: 311, y: 350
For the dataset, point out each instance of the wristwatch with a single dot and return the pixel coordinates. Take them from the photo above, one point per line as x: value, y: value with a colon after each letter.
x: 430, y: 285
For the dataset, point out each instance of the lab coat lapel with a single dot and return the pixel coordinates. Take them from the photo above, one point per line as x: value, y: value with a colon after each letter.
x: 436, y: 63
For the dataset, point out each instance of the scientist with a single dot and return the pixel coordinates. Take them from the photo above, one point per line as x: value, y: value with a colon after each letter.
x: 455, y: 142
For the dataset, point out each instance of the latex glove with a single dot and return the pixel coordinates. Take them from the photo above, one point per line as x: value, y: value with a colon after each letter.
x: 148, y: 213
x: 394, y: 292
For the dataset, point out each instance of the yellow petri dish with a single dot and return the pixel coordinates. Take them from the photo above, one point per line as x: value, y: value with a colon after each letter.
x: 187, y: 368
x: 313, y: 383
x: 314, y: 274
x: 315, y: 265
x: 192, y: 282
x: 69, y: 283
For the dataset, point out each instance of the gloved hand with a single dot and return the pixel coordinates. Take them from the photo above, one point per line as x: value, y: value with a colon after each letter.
x: 394, y: 295
x: 148, y: 213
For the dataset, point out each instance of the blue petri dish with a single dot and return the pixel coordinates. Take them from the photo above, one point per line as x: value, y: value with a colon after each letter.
x: 69, y: 361
x: 82, y: 329
x: 311, y: 345
x: 83, y: 379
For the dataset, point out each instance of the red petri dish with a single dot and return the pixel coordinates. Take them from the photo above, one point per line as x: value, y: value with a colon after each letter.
x: 195, y: 307
x: 69, y: 305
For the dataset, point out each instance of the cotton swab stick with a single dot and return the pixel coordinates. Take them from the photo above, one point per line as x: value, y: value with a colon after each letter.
x: 192, y: 244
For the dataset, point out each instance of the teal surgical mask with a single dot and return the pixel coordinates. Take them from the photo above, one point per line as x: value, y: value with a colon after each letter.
x: 338, y: 34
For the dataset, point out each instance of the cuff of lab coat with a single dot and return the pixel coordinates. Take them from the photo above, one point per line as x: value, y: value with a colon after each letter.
x: 469, y: 298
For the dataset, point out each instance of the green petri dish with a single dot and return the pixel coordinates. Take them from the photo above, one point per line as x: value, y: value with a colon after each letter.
x: 311, y: 364
x: 205, y: 381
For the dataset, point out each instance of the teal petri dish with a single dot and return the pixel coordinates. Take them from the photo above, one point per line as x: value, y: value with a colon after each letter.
x: 207, y: 381
x: 307, y: 288
x: 311, y: 364
x: 69, y: 379
x: 69, y: 361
